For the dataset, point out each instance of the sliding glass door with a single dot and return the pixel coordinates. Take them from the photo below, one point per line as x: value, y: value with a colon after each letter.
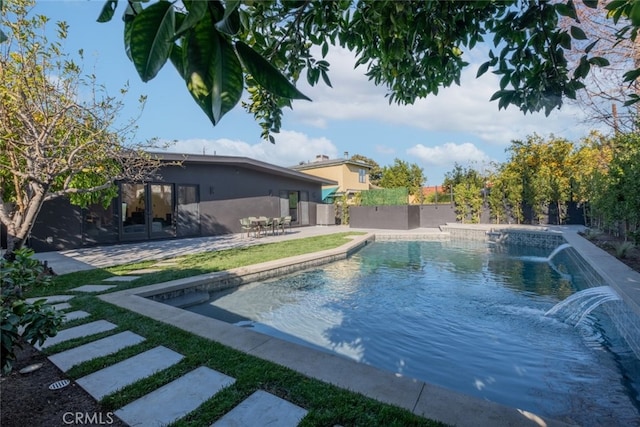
x: 133, y: 220
x: 162, y: 208
x: 147, y: 211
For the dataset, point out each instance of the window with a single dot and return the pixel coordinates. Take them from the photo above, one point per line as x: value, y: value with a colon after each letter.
x: 362, y: 176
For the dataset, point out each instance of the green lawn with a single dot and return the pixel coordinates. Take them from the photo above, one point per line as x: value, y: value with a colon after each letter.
x: 327, y: 404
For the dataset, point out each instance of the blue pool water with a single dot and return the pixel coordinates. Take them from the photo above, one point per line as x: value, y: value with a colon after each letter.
x: 468, y: 316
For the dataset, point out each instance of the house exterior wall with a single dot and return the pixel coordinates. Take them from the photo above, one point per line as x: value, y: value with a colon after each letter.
x: 351, y: 176
x: 228, y: 193
x: 332, y: 172
x: 225, y: 194
x: 347, y: 174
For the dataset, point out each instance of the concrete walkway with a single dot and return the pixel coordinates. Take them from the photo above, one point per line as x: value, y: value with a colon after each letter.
x: 170, y: 402
x: 177, y: 398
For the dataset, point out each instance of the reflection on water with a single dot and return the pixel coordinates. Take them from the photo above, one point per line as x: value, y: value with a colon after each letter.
x: 464, y: 315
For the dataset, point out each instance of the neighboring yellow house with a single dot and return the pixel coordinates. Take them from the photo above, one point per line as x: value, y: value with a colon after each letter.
x: 352, y: 176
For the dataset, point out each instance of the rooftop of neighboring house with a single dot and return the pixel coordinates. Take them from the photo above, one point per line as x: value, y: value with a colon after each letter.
x: 323, y: 160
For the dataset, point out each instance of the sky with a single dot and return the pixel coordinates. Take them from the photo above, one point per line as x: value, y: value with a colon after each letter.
x: 459, y: 125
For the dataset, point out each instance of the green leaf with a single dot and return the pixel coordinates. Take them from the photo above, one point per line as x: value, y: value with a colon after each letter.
x: 631, y: 76
x: 212, y: 71
x: 230, y: 24
x: 325, y: 49
x: 266, y: 74
x: 108, y: 10
x: 177, y: 59
x: 577, y: 33
x: 325, y: 77
x: 505, y: 99
x: 635, y: 14
x: 633, y: 99
x: 197, y: 10
x: 151, y: 39
x: 129, y: 15
x: 582, y: 70
x: 3, y: 37
x: 227, y: 79
x: 599, y: 61
x: 591, y: 46
x: 498, y: 94
x: 504, y: 81
x: 593, y: 4
x: 566, y: 10
x: 232, y: 7
x: 565, y: 40
x: 483, y: 69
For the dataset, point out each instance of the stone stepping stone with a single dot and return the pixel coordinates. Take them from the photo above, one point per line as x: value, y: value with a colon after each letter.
x: 51, y: 299
x: 77, y: 332
x: 121, y: 279
x: 262, y: 409
x: 75, y: 315
x: 93, y: 288
x: 109, y: 345
x: 62, y: 306
x: 176, y: 399
x: 111, y: 379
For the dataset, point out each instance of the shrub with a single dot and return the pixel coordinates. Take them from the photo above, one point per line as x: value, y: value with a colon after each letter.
x: 623, y: 248
x: 21, y: 321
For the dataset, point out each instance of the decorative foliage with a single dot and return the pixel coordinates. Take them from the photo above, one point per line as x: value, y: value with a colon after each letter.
x: 413, y: 48
x: 403, y: 174
x: 20, y: 320
x: 385, y: 197
x: 599, y: 173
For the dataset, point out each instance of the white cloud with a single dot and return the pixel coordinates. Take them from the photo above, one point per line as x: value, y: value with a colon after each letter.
x: 448, y: 154
x: 290, y: 148
x: 464, y: 108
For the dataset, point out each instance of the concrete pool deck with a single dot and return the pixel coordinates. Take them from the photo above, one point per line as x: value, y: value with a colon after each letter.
x: 416, y: 396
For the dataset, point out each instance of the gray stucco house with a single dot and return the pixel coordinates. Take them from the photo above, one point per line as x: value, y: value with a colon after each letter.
x: 204, y: 196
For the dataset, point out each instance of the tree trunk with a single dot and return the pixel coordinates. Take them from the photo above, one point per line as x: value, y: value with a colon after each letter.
x: 20, y: 222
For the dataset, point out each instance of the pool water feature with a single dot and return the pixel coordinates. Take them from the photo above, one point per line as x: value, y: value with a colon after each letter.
x: 578, y: 306
x: 468, y: 316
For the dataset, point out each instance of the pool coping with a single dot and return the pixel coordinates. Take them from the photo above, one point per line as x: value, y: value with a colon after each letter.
x: 419, y: 397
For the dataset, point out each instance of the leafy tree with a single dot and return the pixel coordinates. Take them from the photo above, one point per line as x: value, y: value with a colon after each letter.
x: 403, y: 174
x: 461, y: 174
x: 619, y: 200
x: 375, y: 174
x: 413, y: 48
x: 58, y: 132
x: 468, y: 200
x: 545, y: 167
x: 468, y: 187
x: 20, y: 320
x: 590, y: 176
x: 508, y: 187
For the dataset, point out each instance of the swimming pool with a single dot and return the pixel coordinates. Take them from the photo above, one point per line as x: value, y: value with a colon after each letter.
x: 465, y: 315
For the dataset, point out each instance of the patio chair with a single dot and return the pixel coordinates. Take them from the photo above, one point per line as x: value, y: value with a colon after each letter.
x: 286, y: 221
x: 247, y: 226
x: 261, y: 223
x: 276, y: 225
x: 267, y: 225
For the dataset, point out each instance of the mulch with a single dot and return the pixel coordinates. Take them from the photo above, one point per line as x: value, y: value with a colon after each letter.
x: 26, y: 399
